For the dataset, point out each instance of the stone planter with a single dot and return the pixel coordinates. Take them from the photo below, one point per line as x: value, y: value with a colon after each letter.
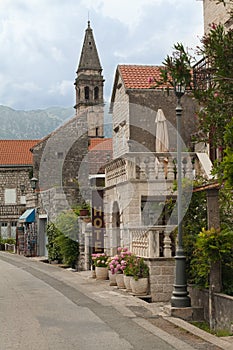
x: 101, y: 273
x: 127, y: 283
x: 139, y: 287
x: 120, y: 280
x: 112, y: 278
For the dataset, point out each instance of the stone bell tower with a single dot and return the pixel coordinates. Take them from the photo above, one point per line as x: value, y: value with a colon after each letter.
x: 89, y: 85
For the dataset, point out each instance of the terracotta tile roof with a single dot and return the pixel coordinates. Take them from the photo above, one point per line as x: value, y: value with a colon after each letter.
x: 16, y: 152
x: 100, y: 144
x: 139, y: 77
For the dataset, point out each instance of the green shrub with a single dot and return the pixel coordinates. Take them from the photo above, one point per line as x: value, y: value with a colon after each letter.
x: 212, y: 246
x: 8, y: 240
x: 69, y: 250
x: 54, y: 250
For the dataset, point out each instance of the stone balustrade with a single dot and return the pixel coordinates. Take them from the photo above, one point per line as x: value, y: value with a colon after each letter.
x: 149, y: 166
x: 152, y: 242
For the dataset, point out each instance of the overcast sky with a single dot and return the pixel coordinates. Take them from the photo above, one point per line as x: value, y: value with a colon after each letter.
x: 41, y: 40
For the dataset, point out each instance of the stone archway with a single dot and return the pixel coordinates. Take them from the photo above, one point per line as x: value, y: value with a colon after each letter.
x: 116, y: 235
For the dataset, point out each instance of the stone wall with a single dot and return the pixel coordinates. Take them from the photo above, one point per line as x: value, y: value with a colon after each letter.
x: 222, y: 307
x: 120, y: 120
x: 144, y: 105
x: 216, y: 13
x: 61, y: 162
x: 162, y: 271
x: 13, y: 178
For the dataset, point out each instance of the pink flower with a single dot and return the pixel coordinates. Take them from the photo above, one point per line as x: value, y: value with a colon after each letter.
x: 213, y: 26
x: 150, y: 80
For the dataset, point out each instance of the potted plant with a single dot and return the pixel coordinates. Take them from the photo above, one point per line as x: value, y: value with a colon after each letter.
x: 83, y: 210
x: 129, y: 271
x: 100, y: 261
x: 140, y: 273
x: 117, y: 265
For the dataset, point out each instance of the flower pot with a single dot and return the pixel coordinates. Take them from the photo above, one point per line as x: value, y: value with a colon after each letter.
x: 101, y: 273
x: 112, y: 278
x: 127, y: 283
x: 139, y: 287
x: 120, y: 280
x: 83, y: 212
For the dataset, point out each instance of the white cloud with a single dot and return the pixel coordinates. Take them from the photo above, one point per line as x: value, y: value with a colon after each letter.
x: 27, y: 86
x: 62, y: 88
x: 41, y: 42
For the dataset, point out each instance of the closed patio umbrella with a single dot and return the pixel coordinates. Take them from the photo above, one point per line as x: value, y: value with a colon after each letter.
x: 162, y: 141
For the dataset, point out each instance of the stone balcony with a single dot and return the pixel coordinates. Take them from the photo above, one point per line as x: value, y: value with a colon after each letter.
x: 151, y: 166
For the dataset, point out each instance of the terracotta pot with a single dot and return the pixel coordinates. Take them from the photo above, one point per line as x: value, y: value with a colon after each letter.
x: 139, y: 287
x: 83, y: 212
x: 112, y: 278
x: 120, y: 280
x: 127, y: 283
x: 101, y: 273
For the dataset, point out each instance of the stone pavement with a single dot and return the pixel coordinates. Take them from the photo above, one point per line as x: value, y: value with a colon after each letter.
x: 151, y: 315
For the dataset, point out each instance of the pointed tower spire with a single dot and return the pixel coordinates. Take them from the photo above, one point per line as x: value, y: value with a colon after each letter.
x: 89, y: 56
x: 89, y: 84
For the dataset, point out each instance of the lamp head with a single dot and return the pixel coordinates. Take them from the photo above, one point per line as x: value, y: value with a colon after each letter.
x: 179, y: 88
x: 33, y: 181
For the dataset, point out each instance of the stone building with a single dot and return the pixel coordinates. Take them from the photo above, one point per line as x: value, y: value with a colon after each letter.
x: 64, y: 159
x: 15, y: 172
x: 139, y: 195
x: 217, y: 13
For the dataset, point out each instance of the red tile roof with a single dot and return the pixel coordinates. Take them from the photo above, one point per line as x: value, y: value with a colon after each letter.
x: 16, y: 152
x: 100, y: 144
x: 139, y: 77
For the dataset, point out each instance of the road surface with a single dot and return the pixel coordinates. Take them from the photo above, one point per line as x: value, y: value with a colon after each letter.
x: 43, y: 307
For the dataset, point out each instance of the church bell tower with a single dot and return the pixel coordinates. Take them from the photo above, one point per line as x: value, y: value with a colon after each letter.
x: 89, y: 85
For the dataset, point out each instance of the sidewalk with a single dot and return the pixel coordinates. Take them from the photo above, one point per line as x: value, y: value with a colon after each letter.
x: 155, y: 314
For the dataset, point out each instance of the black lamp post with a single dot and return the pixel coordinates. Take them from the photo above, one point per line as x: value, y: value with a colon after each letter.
x: 180, y: 296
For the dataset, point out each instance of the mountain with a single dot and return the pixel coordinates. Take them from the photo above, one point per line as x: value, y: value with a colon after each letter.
x: 34, y: 124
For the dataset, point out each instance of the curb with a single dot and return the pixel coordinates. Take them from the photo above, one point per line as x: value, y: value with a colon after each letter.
x: 225, y: 345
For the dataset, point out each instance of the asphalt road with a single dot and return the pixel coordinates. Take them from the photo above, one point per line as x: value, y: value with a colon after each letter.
x: 44, y: 307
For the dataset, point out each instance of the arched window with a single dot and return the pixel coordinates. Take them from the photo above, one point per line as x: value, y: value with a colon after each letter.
x: 96, y: 93
x: 86, y: 92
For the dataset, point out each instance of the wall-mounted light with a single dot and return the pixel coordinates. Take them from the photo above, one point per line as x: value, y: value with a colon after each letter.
x: 34, y: 181
x: 22, y: 188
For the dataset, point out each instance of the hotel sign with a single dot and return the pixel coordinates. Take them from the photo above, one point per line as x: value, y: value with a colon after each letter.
x: 98, y: 226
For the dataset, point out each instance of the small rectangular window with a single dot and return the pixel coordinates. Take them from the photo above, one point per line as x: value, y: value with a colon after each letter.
x: 10, y: 196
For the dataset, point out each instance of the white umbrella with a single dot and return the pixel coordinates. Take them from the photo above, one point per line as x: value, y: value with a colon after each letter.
x: 162, y: 141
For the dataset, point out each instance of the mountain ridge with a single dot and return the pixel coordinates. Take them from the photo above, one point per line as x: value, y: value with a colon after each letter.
x: 31, y: 124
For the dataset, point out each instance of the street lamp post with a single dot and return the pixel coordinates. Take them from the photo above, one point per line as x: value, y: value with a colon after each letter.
x: 180, y: 296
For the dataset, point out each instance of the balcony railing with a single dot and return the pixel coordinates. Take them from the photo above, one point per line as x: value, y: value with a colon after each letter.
x: 150, y: 166
x: 152, y: 242
x: 203, y: 74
